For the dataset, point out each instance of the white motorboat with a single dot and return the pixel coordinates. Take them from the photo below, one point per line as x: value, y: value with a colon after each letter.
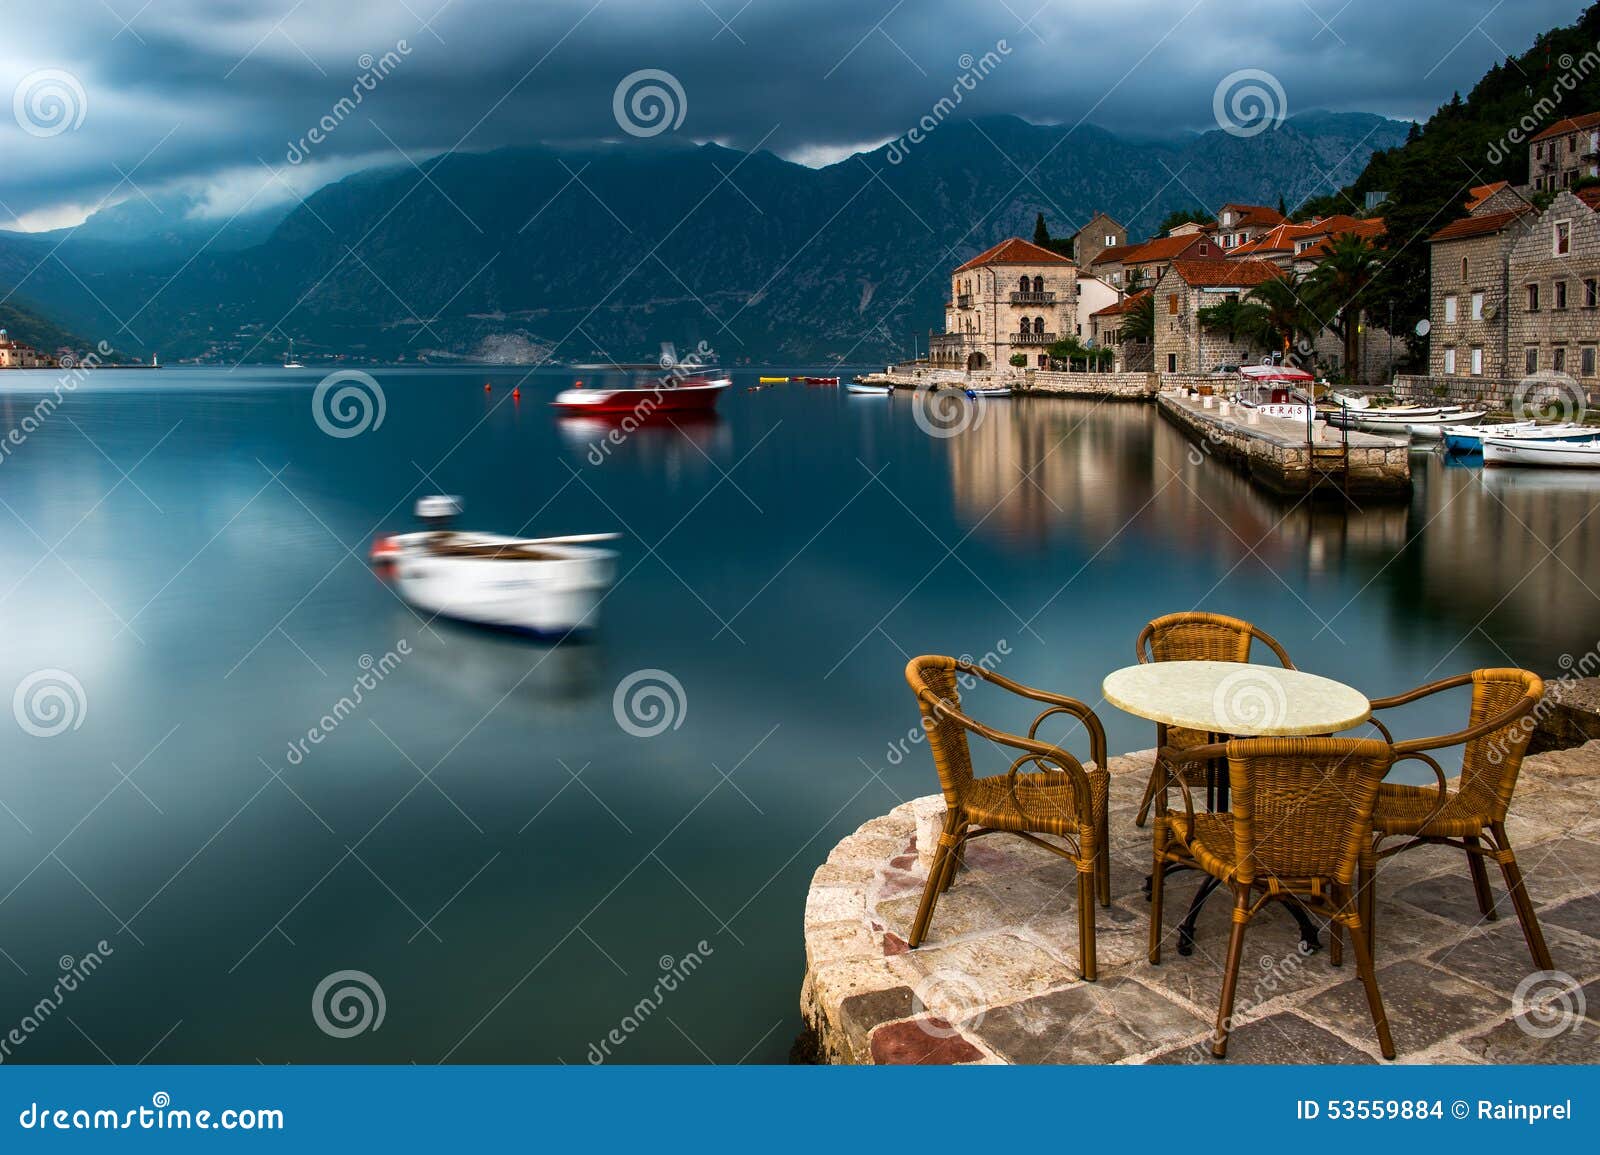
x: 546, y: 587
x: 992, y: 391
x: 1527, y: 451
x: 292, y: 362
x: 1426, y: 423
x: 869, y: 390
x: 1469, y: 438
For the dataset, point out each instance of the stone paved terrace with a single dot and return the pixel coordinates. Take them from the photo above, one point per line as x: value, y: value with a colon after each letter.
x: 997, y: 979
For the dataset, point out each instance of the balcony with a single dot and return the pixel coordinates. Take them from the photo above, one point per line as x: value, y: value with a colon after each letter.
x: 1033, y: 298
x: 964, y: 301
x: 1033, y: 338
x: 944, y: 340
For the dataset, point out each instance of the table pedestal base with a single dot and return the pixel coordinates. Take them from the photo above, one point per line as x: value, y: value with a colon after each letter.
x: 1309, y: 940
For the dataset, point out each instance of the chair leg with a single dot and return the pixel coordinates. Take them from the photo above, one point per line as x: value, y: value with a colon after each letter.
x: 1369, y: 979
x: 1104, y: 872
x: 1157, y: 773
x: 1086, y: 959
x: 1230, y: 976
x: 1480, y: 879
x: 1158, y: 875
x: 1367, y: 896
x: 931, y: 889
x: 1521, y: 902
x: 957, y: 860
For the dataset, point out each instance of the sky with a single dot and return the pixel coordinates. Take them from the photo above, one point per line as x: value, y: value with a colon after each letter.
x: 234, y: 105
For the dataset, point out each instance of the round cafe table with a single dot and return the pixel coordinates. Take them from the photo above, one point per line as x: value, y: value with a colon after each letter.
x: 1240, y: 700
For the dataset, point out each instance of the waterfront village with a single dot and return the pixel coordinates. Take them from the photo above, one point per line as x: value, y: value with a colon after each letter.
x: 1515, y: 288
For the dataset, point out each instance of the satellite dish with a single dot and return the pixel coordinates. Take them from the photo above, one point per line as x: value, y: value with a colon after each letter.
x: 1267, y: 360
x: 1423, y: 327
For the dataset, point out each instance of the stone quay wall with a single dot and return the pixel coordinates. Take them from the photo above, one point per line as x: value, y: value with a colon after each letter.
x: 1122, y: 386
x: 1275, y: 454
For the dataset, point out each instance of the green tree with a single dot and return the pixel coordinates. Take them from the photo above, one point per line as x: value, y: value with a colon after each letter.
x: 1237, y: 318
x: 1041, y: 232
x: 1286, y: 312
x: 1340, y: 287
x: 1139, y: 322
x: 1072, y: 351
x: 1183, y: 217
x: 1019, y: 360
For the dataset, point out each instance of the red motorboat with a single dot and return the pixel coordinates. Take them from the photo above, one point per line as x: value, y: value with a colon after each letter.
x: 692, y: 394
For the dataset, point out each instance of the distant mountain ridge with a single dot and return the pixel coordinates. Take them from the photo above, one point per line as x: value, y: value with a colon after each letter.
x: 607, y: 251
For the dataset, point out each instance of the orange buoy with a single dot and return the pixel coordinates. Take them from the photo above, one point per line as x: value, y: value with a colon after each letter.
x: 516, y: 393
x: 487, y: 387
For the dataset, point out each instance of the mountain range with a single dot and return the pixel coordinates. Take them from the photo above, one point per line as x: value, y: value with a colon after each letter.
x: 607, y: 251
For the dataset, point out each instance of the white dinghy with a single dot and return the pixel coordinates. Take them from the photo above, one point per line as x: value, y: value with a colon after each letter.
x: 1556, y: 454
x: 546, y: 587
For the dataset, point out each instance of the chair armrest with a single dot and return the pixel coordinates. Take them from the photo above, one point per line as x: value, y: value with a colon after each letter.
x: 1082, y: 793
x: 1059, y: 704
x: 1438, y: 772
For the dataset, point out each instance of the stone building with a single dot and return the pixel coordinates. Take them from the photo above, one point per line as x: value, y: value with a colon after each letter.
x: 16, y: 355
x: 1565, y: 153
x: 1239, y: 224
x: 1130, y: 267
x: 1102, y: 232
x: 1553, y: 289
x: 1182, y: 343
x: 1468, y: 307
x: 1014, y: 298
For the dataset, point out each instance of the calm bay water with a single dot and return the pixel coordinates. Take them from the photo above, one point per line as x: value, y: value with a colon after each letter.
x: 480, y: 834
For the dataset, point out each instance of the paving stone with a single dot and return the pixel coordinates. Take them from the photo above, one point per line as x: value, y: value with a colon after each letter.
x: 1424, y: 1005
x: 923, y: 1041
x: 1512, y: 1042
x: 982, y: 972
x: 1557, y: 868
x: 1087, y: 1023
x: 861, y: 1014
x: 978, y: 901
x: 1279, y: 1038
x: 1579, y: 914
x: 1449, y: 897
x: 1498, y: 958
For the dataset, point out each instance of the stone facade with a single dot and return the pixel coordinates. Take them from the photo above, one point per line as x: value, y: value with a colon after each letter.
x: 1182, y: 343
x: 1015, y: 298
x: 16, y: 355
x: 1553, y: 283
x: 1101, y: 233
x: 1564, y: 153
x: 1468, y: 305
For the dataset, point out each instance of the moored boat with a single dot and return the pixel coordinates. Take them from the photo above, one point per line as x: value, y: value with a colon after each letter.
x: 993, y: 391
x: 869, y: 390
x: 546, y: 587
x: 1468, y: 439
x: 694, y: 394
x: 1554, y: 454
x: 820, y: 380
x: 772, y: 380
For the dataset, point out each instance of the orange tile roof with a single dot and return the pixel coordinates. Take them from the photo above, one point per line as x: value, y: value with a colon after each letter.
x: 1570, y: 124
x: 1126, y: 305
x: 1165, y: 248
x: 1222, y: 273
x: 1368, y: 228
x: 1479, y: 226
x: 1015, y: 251
x: 1116, y: 253
x: 1483, y: 192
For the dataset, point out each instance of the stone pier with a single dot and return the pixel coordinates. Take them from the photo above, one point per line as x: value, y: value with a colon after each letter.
x: 997, y: 980
x: 1275, y: 453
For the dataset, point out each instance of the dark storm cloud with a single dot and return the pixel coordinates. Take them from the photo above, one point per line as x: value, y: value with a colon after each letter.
x: 202, y: 92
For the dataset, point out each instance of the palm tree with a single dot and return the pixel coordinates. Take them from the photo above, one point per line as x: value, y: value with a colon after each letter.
x: 1339, y: 286
x: 1139, y: 322
x: 1236, y: 318
x: 1286, y: 312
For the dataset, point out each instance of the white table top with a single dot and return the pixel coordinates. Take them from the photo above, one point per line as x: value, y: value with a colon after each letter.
x: 1236, y: 698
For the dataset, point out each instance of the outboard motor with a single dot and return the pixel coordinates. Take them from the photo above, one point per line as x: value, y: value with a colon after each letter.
x: 438, y: 511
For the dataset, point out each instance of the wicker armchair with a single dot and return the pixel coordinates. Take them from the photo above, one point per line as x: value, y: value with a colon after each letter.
x: 1062, y: 797
x: 1300, y: 823
x: 1495, y: 738
x: 1193, y: 637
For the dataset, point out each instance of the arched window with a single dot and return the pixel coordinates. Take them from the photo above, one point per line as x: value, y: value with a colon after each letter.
x: 1025, y: 283
x: 1038, y: 284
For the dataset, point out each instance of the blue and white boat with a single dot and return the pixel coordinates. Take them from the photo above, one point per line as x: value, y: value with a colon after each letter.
x: 990, y: 391
x: 1468, y: 439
